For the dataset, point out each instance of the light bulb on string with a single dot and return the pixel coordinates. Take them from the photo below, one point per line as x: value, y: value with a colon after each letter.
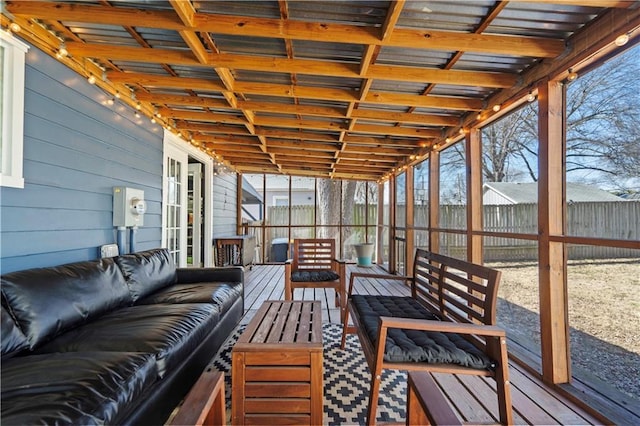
x: 622, y: 39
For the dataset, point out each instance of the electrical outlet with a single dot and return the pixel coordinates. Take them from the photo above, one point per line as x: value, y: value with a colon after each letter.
x: 108, y: 250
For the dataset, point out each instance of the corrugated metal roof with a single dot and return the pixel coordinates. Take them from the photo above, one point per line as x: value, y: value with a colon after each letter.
x: 386, y: 79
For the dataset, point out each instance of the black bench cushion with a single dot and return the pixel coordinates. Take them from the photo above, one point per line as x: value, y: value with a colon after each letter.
x: 415, y: 345
x: 309, y: 275
x: 77, y: 388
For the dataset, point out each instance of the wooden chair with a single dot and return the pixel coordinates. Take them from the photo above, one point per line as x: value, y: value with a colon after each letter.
x: 313, y: 264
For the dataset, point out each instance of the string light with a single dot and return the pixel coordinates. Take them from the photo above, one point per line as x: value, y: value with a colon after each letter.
x: 111, y: 101
x: 117, y: 95
x: 531, y: 97
x: 91, y: 79
x: 62, y: 52
x: 15, y: 28
x: 622, y: 39
x: 572, y: 75
x: 138, y: 106
x: 496, y: 107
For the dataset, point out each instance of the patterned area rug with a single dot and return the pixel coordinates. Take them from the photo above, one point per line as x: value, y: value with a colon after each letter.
x: 346, y: 381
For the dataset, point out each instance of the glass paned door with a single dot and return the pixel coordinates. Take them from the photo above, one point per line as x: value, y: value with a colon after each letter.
x: 175, y: 195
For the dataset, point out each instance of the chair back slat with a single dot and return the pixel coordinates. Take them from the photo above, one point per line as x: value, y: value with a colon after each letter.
x: 458, y: 290
x: 316, y: 254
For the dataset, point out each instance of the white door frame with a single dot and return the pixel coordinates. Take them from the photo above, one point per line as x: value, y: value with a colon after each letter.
x: 196, y: 170
x: 176, y: 146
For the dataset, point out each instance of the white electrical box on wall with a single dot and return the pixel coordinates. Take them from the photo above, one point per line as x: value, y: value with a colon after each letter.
x: 128, y: 206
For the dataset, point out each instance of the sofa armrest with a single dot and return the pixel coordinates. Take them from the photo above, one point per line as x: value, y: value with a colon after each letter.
x: 219, y: 274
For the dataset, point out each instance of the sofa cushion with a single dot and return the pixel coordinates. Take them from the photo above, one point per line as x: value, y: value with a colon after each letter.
x: 13, y: 340
x: 47, y: 301
x: 222, y: 294
x: 309, y: 275
x: 78, y: 388
x: 170, y: 332
x: 415, y: 345
x: 147, y: 271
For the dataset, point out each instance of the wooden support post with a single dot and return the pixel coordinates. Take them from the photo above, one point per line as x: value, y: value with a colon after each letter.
x: 380, y: 229
x: 554, y: 324
x: 239, y: 229
x: 473, y: 148
x: 434, y: 201
x: 409, y: 235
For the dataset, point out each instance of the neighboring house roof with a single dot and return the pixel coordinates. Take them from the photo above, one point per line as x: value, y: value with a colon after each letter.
x: 520, y: 193
x: 249, y: 193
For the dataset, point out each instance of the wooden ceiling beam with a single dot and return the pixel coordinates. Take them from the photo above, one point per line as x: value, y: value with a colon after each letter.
x: 297, y: 135
x: 293, y: 29
x: 213, y: 128
x: 406, y: 117
x: 410, y: 132
x: 288, y: 65
x: 381, y: 98
x: 202, y: 116
x: 298, y: 123
x: 183, y: 100
x: 307, y: 145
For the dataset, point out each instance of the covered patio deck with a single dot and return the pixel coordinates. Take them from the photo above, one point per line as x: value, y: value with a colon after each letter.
x: 534, y: 402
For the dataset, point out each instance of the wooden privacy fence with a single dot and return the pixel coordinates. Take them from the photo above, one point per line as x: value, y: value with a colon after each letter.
x: 615, y: 220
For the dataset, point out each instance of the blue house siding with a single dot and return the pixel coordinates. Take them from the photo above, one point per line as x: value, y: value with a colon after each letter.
x: 224, y: 204
x: 76, y: 149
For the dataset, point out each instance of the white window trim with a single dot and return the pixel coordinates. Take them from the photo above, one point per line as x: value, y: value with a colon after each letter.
x: 12, y: 110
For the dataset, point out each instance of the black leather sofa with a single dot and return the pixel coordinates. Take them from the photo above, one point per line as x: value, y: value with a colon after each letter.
x: 113, y: 341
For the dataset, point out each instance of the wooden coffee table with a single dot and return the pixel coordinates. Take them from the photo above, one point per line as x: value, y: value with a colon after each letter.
x: 277, y: 366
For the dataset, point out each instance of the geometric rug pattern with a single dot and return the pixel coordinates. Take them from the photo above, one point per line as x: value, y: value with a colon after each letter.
x: 346, y: 381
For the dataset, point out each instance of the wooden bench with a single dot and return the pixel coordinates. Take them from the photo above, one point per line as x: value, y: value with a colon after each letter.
x: 446, y: 325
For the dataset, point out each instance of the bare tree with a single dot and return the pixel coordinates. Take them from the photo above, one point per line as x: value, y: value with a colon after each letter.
x: 603, y: 130
x: 335, y: 200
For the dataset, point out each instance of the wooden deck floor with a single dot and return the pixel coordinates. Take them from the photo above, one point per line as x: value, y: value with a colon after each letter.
x: 472, y: 397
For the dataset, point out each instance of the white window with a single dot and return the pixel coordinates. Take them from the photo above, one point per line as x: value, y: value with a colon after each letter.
x: 12, y: 58
x: 280, y: 200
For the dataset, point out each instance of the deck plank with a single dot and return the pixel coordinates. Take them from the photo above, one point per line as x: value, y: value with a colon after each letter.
x: 534, y: 402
